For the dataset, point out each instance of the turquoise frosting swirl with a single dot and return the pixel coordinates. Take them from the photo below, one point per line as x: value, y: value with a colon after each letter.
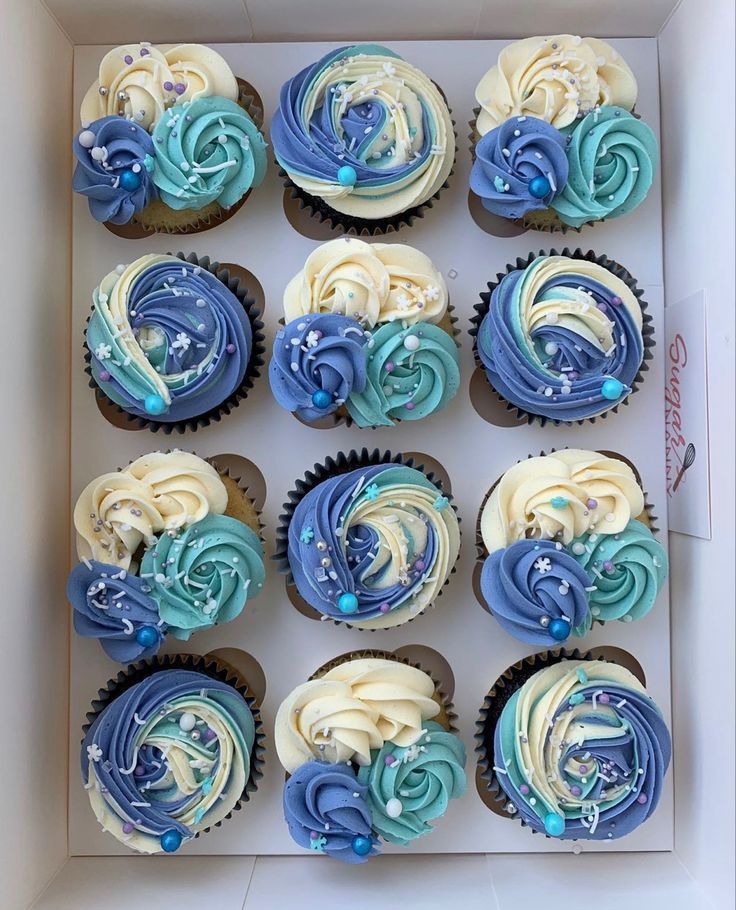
x: 612, y: 159
x: 411, y: 373
x: 207, y: 150
x: 627, y: 570
x: 418, y: 780
x: 203, y: 575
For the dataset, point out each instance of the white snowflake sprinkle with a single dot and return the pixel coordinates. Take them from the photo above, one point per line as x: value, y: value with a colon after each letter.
x: 543, y: 565
x: 94, y: 753
x: 103, y: 351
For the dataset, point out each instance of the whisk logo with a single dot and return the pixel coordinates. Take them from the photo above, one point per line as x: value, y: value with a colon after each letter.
x: 680, y: 454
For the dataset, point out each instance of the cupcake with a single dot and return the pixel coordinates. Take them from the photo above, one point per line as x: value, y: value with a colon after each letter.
x: 170, y: 140
x: 576, y: 749
x: 566, y: 540
x: 370, y: 755
x: 557, y: 143
x: 171, y: 748
x: 173, y: 341
x: 565, y: 337
x: 368, y: 336
x: 167, y: 546
x: 365, y: 139
x: 368, y: 540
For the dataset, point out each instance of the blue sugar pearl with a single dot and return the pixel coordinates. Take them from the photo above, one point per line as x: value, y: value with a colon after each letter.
x: 558, y: 502
x: 347, y: 603
x: 554, y: 824
x: 559, y: 629
x: 130, y: 181
x: 321, y: 399
x: 346, y: 176
x: 539, y: 187
x: 146, y: 636
x: 154, y: 404
x: 170, y: 841
x: 361, y: 845
x: 612, y: 389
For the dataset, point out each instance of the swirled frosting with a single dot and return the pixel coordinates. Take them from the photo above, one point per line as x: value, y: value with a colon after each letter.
x: 114, y: 167
x: 326, y: 810
x: 554, y: 79
x: 406, y: 383
x: 627, y: 572
x: 530, y: 584
x: 519, y: 167
x: 318, y: 362
x: 203, y: 575
x: 365, y: 131
x: 352, y: 709
x: 161, y: 491
x: 167, y: 758
x: 417, y: 780
x: 140, y: 82
x: 373, y: 546
x: 207, y: 150
x: 581, y: 751
x: 371, y: 282
x: 612, y: 158
x: 559, y: 497
x: 168, y: 340
x: 115, y: 607
x: 562, y: 338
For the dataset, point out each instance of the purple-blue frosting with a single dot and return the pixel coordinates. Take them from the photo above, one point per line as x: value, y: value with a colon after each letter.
x: 325, y: 808
x: 510, y: 157
x: 318, y: 353
x: 113, y: 605
x: 126, y: 145
x: 523, y: 584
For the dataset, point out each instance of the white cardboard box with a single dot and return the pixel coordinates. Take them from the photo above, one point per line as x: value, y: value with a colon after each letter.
x: 42, y: 854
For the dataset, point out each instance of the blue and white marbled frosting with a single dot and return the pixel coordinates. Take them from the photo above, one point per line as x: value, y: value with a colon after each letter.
x: 168, y: 341
x: 373, y: 546
x: 562, y: 338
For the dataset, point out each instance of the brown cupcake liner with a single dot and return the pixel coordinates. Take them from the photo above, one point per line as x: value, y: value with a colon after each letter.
x: 253, y: 370
x: 343, y: 463
x: 152, y: 220
x: 647, y: 332
x: 210, y: 666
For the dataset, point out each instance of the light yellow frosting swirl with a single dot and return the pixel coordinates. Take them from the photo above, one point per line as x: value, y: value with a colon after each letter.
x: 355, y: 707
x: 549, y: 497
x: 133, y: 81
x: 372, y: 282
x: 161, y: 491
x: 553, y: 79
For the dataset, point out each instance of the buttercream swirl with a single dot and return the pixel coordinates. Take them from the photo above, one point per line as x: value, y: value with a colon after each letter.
x: 140, y: 82
x: 365, y: 131
x: 325, y: 810
x: 537, y: 592
x: 161, y: 491
x: 553, y: 78
x: 423, y: 777
x: 203, y: 575
x: 207, y: 150
x: 167, y: 758
x: 116, y: 608
x: 371, y: 282
x: 318, y: 362
x: 562, y: 338
x: 612, y: 159
x: 582, y: 751
x: 628, y: 570
x: 373, y: 546
x: 406, y: 383
x: 519, y: 167
x: 352, y: 709
x: 168, y: 340
x: 559, y: 497
x: 114, y: 167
